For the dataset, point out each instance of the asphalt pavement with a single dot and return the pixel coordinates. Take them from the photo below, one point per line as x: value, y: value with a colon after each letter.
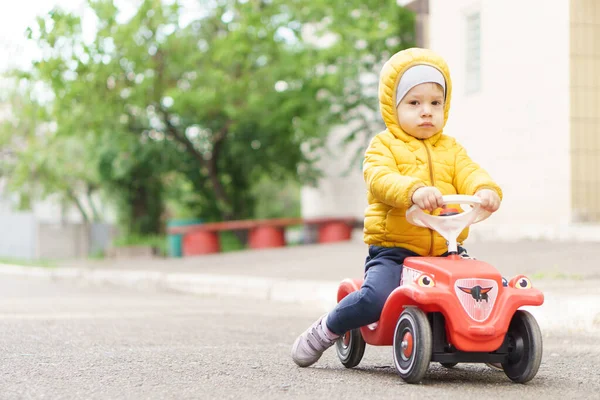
x: 74, y: 339
x: 567, y: 272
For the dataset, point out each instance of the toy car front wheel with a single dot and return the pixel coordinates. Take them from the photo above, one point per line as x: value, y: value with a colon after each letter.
x: 525, y: 348
x: 412, y: 345
x: 350, y: 348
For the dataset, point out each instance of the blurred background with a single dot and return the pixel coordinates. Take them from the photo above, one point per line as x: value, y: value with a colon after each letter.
x: 121, y: 118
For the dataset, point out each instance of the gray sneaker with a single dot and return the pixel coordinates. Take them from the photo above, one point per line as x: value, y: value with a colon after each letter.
x: 309, y: 346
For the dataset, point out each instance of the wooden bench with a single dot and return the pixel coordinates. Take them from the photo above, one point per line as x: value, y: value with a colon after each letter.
x: 266, y: 233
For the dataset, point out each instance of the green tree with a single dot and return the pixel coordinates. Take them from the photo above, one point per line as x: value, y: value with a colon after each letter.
x: 37, y: 163
x: 245, y: 91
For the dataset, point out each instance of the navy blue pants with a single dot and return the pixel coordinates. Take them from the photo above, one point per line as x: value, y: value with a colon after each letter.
x: 383, y: 270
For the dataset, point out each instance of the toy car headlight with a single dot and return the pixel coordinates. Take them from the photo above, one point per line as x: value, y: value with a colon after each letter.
x: 425, y: 281
x: 520, y: 282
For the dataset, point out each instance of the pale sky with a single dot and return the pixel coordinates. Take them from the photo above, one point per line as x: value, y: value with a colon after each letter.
x: 14, y: 21
x: 15, y: 48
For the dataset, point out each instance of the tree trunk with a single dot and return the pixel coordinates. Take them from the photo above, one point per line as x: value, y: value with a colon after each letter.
x: 210, y: 165
x: 95, y: 214
x: 79, y: 206
x: 227, y: 212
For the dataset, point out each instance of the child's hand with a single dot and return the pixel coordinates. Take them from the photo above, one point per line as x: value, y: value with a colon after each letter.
x: 490, y: 201
x: 428, y: 198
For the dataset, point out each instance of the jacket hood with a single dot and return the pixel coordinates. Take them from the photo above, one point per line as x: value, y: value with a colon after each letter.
x: 388, y: 82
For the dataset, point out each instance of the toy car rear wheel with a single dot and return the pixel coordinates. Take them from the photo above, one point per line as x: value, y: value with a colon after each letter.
x: 350, y: 348
x: 412, y: 345
x: 525, y: 348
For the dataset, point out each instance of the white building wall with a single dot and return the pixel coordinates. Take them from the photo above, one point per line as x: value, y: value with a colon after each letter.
x: 18, y: 235
x: 517, y: 126
x: 342, y: 191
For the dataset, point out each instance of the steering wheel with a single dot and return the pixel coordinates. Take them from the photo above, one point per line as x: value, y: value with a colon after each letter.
x: 450, y: 226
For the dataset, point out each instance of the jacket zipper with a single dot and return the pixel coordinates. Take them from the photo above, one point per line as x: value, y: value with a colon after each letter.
x: 431, y: 175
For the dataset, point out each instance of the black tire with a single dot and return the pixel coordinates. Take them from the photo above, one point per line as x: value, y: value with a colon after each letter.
x: 525, y: 348
x: 350, y: 348
x: 449, y: 365
x: 412, y: 345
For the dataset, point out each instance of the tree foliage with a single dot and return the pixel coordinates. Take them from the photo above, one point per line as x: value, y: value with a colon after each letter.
x: 204, y: 109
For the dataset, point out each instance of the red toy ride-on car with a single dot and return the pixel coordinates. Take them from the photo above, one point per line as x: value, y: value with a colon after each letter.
x: 451, y: 309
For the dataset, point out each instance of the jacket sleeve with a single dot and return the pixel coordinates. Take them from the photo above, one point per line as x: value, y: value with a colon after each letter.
x: 383, y: 178
x: 469, y: 177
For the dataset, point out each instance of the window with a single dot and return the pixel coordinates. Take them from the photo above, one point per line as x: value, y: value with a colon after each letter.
x: 473, y: 53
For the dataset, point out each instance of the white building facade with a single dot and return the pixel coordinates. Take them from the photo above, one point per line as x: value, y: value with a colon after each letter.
x: 525, y: 104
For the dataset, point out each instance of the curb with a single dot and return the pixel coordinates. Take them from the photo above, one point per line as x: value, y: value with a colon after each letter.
x: 559, y: 313
x: 320, y: 293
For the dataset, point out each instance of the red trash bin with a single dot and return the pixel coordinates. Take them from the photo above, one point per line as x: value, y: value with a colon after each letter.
x: 200, y: 242
x: 334, y: 231
x: 263, y: 237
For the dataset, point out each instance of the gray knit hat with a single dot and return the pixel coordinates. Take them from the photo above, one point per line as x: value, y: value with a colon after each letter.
x: 415, y: 76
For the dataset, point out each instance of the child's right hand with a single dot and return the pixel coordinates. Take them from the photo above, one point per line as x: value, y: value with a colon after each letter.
x: 428, y: 198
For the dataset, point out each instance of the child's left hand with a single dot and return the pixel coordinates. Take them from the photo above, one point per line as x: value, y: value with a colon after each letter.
x: 490, y: 201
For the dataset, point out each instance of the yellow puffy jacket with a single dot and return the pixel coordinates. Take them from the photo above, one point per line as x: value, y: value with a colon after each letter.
x: 396, y: 164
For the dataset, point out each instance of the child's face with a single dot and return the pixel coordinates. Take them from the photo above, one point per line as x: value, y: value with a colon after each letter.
x: 421, y: 111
